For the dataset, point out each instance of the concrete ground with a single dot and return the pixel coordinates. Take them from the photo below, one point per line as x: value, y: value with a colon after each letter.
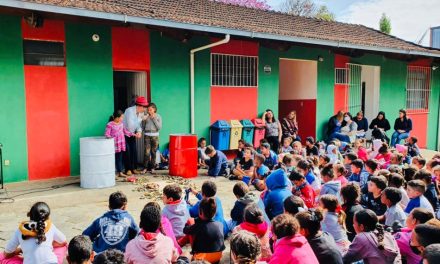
x: 74, y: 208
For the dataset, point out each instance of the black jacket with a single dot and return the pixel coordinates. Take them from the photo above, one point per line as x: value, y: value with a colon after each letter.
x: 325, y: 249
x: 406, y: 124
x: 383, y: 123
x: 208, y: 236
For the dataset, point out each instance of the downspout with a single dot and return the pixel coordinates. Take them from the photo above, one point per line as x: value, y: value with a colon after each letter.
x: 192, y: 52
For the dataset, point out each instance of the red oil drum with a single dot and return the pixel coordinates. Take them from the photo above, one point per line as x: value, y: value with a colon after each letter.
x: 183, y: 155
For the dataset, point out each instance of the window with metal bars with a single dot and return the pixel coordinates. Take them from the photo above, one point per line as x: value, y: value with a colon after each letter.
x: 418, y: 88
x: 43, y: 53
x: 340, y: 75
x: 234, y: 70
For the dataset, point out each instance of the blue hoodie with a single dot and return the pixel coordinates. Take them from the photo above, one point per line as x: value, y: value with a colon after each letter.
x: 112, y: 230
x: 218, y: 164
x: 219, y: 217
x: 278, y: 189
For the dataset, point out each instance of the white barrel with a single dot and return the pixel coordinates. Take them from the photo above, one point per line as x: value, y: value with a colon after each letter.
x: 97, y: 162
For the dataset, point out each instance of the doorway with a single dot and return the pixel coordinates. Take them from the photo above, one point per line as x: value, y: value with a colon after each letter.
x: 127, y: 85
x: 298, y: 83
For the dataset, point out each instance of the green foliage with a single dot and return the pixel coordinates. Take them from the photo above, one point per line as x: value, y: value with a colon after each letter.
x: 385, y: 24
x: 325, y: 14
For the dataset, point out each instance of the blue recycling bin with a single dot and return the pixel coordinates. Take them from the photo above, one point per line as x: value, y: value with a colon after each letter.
x: 220, y: 135
x: 248, y: 130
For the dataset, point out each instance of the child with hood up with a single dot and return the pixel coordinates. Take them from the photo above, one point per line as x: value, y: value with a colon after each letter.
x: 332, y: 153
x: 278, y: 189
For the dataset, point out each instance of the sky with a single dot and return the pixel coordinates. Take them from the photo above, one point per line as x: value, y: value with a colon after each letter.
x: 410, y: 19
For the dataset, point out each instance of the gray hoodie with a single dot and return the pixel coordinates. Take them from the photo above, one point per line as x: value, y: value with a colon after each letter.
x: 331, y: 187
x: 178, y: 215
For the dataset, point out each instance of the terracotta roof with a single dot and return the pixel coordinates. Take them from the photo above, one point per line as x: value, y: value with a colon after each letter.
x: 214, y: 14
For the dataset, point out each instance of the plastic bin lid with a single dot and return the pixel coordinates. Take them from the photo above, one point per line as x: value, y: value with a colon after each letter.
x: 247, y: 123
x: 235, y: 123
x: 258, y: 122
x: 222, y: 124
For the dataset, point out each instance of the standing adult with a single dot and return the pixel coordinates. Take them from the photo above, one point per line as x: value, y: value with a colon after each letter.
x: 152, y: 125
x: 380, y: 126
x: 289, y: 126
x: 402, y: 127
x: 362, y: 124
x: 132, y: 122
x: 348, y: 130
x: 273, y: 130
x: 334, y: 124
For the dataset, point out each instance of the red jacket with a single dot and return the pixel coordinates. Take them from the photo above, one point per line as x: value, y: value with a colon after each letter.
x: 306, y: 193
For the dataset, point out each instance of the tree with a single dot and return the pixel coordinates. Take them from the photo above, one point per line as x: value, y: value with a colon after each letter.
x: 305, y: 8
x: 385, y: 24
x: 258, y: 4
x: 325, y: 14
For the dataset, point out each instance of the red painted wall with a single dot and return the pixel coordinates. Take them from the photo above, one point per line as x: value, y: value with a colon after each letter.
x: 306, y: 115
x: 341, y: 91
x: 47, y: 120
x: 236, y: 47
x: 233, y: 103
x: 130, y: 49
x: 52, y: 30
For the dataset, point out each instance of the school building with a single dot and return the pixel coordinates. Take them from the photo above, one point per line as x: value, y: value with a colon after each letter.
x: 66, y: 65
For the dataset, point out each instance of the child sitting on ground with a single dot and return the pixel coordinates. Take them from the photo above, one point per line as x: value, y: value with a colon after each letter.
x: 206, y: 234
x: 203, y: 159
x: 394, y: 214
x: 396, y: 159
x: 115, y: 228
x: 80, y: 250
x: 360, y: 150
x: 37, y: 240
x: 322, y: 243
x: 175, y: 209
x: 245, y: 166
x: 240, y: 150
x: 286, y: 148
x: 339, y: 172
x: 384, y: 156
x: 209, y: 190
x: 302, y: 189
x: 298, y: 149
x: 430, y: 193
x: 358, y: 174
x: 218, y: 163
x: 245, y: 248
x: 244, y: 198
x: 413, y: 149
x: 278, y: 189
x: 311, y: 148
x: 330, y: 186
x: 305, y: 168
x: 334, y: 220
x: 112, y: 256
x: 290, y: 246
x: 350, y: 195
x: 372, y: 200
x: 150, y: 245
x: 261, y: 171
x: 254, y: 223
x: 416, y: 189
x: 348, y: 159
x: 397, y: 181
x: 418, y: 162
x: 293, y: 205
x: 371, y: 244
x: 287, y: 163
x: 270, y: 157
x: 323, y: 160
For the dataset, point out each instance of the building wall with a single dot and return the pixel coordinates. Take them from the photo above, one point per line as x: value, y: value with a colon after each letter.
x: 12, y: 100
x: 433, y: 116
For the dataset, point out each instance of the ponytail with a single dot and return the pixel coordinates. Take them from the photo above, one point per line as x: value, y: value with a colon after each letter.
x: 116, y: 114
x: 380, y: 236
x: 41, y: 236
x: 39, y: 213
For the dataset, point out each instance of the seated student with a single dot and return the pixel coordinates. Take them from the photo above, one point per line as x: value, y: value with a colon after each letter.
x: 339, y: 172
x: 261, y: 171
x: 163, y: 158
x: 245, y: 166
x: 240, y: 150
x: 306, y: 169
x: 396, y: 160
x: 418, y: 162
x: 330, y: 186
x: 218, y: 163
x: 371, y: 244
x: 323, y: 160
x: 286, y: 164
x: 244, y: 198
x: 358, y: 174
x: 383, y: 157
x: 206, y: 234
x: 254, y: 223
x: 203, y: 159
x: 209, y: 190
x: 293, y: 205
x: 290, y: 246
x: 334, y: 220
x: 298, y: 149
x: 416, y: 189
x: 360, y: 150
x: 311, y: 148
x: 394, y: 214
x: 372, y: 167
x: 112, y: 256
x: 37, y: 240
x: 150, y: 245
x: 314, y: 162
x: 397, y: 181
x: 430, y: 193
x: 286, y: 147
x: 431, y: 254
x: 413, y: 149
x: 278, y: 189
x: 245, y: 248
x: 271, y: 158
x: 80, y: 250
x: 372, y: 200
x: 175, y: 209
x: 322, y: 243
x: 302, y: 189
x: 115, y: 228
x: 333, y: 153
x: 425, y: 235
x: 416, y: 217
x: 350, y: 195
x: 348, y: 159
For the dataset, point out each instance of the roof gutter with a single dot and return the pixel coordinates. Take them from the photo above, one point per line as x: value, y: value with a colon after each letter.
x: 212, y: 29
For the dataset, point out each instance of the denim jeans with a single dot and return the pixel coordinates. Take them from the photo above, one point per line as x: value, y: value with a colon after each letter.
x: 397, y: 137
x: 119, y: 162
x: 340, y: 136
x: 151, y: 146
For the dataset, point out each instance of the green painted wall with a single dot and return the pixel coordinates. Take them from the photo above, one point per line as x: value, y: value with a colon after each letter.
x: 268, y: 83
x: 433, y: 117
x: 170, y: 85
x: 12, y: 100
x: 89, y: 82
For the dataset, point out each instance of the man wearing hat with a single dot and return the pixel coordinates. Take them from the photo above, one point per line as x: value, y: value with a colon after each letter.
x: 132, y: 122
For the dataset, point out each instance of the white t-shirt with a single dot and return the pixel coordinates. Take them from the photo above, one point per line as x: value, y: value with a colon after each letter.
x: 34, y: 253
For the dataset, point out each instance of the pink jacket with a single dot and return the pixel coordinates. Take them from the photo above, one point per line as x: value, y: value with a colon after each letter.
x: 293, y: 250
x: 403, y: 238
x: 159, y: 249
x: 168, y: 229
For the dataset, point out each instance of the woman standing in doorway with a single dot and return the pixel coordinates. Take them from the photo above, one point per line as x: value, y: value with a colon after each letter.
x: 273, y: 130
x: 402, y: 127
x: 152, y: 125
x: 289, y: 126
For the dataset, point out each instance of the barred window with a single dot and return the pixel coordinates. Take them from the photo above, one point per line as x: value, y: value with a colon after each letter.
x: 233, y: 70
x: 340, y: 75
x: 43, y: 53
x: 418, y: 88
